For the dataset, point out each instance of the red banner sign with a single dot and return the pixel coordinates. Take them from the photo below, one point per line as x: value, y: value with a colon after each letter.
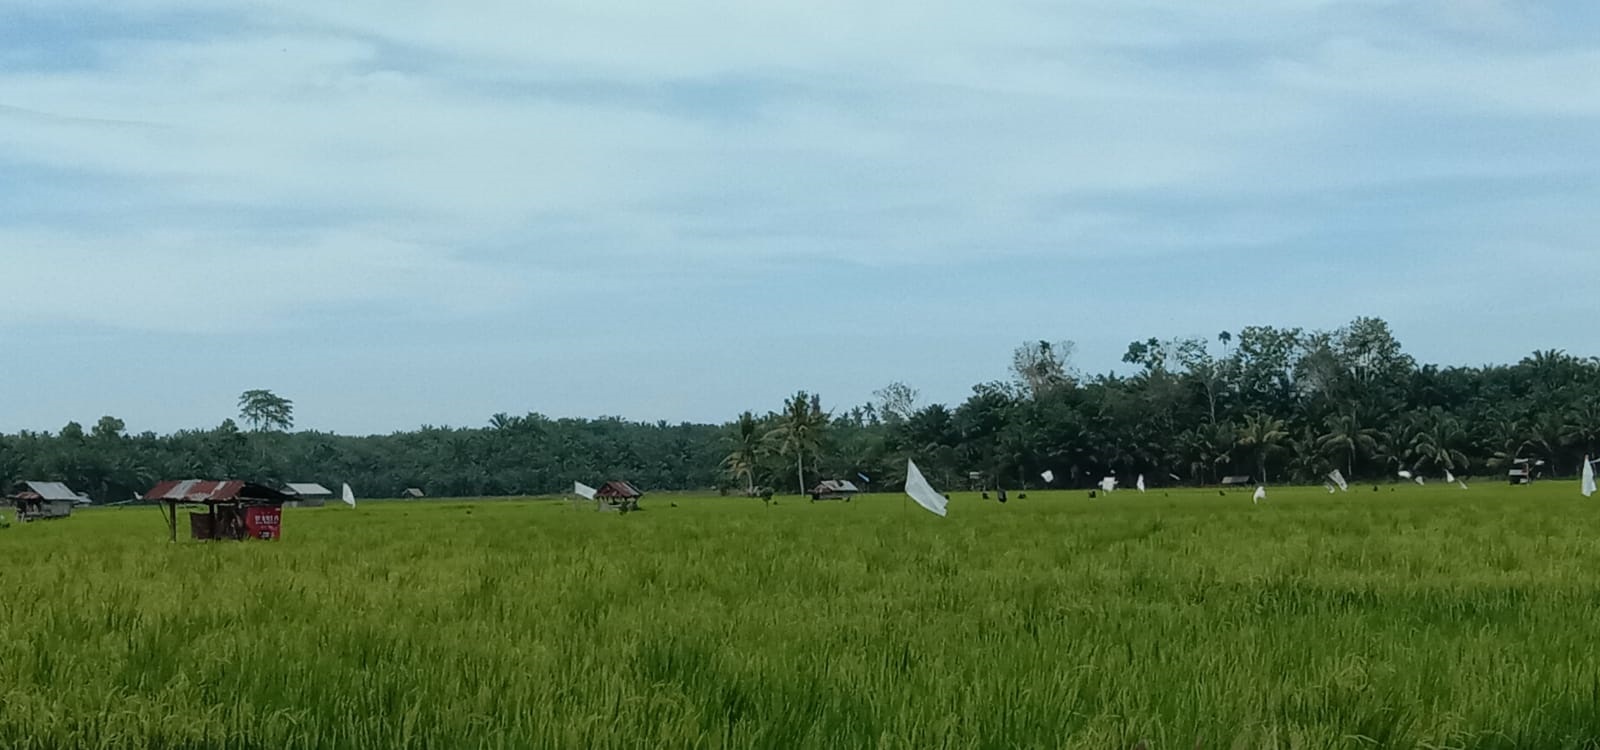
x: 263, y: 523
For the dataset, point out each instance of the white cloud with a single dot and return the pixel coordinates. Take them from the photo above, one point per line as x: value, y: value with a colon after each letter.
x: 409, y: 138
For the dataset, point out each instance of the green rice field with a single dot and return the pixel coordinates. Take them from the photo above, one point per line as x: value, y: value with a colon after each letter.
x: 1403, y: 618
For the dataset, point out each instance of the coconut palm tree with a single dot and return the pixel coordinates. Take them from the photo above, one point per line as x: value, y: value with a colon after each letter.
x: 799, y: 432
x: 747, y: 447
x: 1264, y: 437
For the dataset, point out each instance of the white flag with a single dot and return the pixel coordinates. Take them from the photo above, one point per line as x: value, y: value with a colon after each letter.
x: 1338, y: 480
x: 1049, y: 477
x: 1261, y: 494
x: 1405, y: 474
x: 1330, y: 488
x: 1448, y: 477
x: 1463, y: 483
x: 583, y: 490
x: 1109, y: 484
x: 1588, y: 477
x: 349, y: 496
x: 1420, y: 481
x: 1141, y: 483
x: 918, y: 488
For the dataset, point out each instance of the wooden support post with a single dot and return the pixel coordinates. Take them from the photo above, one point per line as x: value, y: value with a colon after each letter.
x: 172, y: 522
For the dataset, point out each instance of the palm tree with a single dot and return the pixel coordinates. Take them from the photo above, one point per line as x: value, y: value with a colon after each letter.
x: 1436, y: 443
x: 1505, y: 436
x: 799, y: 432
x: 1347, y: 438
x: 746, y: 451
x: 1582, y: 426
x: 1305, y: 462
x: 1544, y: 438
x: 1264, y: 436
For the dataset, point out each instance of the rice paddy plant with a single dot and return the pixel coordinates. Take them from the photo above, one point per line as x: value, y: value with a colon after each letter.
x: 1419, y: 617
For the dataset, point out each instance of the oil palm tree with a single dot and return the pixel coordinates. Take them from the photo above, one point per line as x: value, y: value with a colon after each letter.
x: 1582, y: 426
x: 1346, y: 438
x: 1436, y: 443
x: 1264, y: 437
x: 1305, y: 461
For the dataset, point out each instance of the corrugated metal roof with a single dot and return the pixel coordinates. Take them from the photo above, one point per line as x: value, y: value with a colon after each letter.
x: 308, y: 489
x: 207, y: 491
x: 619, y: 490
x: 53, y: 491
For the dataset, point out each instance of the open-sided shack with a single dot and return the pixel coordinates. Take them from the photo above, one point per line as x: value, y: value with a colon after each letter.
x: 835, y: 489
x: 233, y: 510
x: 618, y: 496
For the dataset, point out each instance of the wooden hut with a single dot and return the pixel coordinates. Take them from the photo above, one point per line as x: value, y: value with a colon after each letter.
x: 621, y: 497
x: 835, y: 489
x: 39, y: 501
x: 232, y: 510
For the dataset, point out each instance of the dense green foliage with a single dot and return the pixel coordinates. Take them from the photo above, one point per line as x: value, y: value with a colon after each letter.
x: 1406, y: 618
x: 1284, y: 405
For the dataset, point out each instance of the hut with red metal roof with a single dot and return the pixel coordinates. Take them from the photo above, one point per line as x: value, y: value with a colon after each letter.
x: 233, y: 509
x: 618, y: 496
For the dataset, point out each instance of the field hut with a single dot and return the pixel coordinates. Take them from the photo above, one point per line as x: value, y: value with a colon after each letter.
x: 621, y: 497
x: 39, y: 501
x: 307, y: 495
x: 1524, y: 471
x: 413, y: 493
x: 835, y: 489
x: 232, y: 510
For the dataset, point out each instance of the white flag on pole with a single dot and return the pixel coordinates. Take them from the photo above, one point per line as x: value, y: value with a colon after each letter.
x: 1588, y: 477
x: 1141, y: 483
x: 1049, y: 477
x: 349, y: 496
x: 1261, y: 494
x: 1109, y: 484
x: 1448, y: 477
x: 1405, y: 474
x: 918, y: 488
x: 1421, y: 482
x: 583, y: 490
x: 1338, y: 479
x: 1463, y: 483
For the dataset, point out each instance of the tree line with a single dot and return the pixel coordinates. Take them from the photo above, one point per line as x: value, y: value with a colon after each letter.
x: 1278, y: 404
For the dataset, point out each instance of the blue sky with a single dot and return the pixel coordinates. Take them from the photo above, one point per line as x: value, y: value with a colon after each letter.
x: 399, y: 213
